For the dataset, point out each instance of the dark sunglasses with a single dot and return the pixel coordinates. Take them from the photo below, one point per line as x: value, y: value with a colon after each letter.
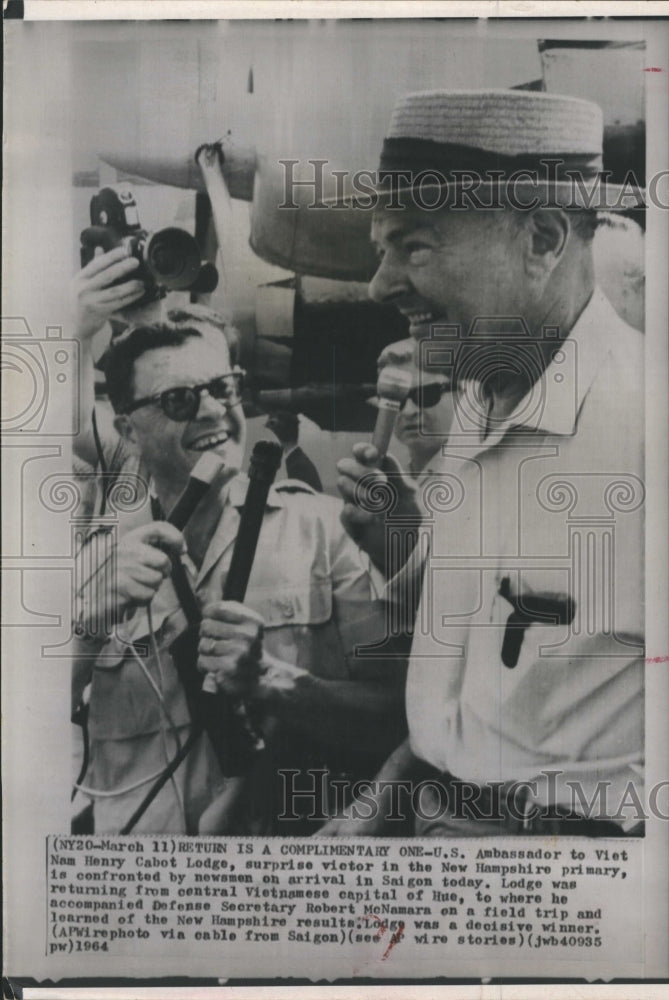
x: 183, y: 401
x: 426, y: 396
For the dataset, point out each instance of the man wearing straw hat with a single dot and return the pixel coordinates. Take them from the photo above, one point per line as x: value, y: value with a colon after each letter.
x: 525, y: 687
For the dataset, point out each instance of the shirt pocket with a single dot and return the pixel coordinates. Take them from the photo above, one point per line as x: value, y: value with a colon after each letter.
x: 123, y: 704
x: 299, y: 628
x: 294, y: 605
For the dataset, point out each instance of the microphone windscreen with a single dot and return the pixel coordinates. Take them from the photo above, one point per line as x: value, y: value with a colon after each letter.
x: 393, y: 384
x: 207, y: 467
x: 392, y: 389
x: 202, y: 476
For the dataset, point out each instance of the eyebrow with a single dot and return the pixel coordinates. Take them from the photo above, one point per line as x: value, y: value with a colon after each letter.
x: 402, y: 229
x: 185, y: 384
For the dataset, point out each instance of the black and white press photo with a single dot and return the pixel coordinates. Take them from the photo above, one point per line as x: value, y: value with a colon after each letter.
x: 334, y: 357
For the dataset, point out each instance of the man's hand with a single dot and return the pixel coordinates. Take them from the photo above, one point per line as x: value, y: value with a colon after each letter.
x: 231, y: 646
x: 97, y: 298
x: 142, y: 563
x: 380, y: 481
x: 138, y: 565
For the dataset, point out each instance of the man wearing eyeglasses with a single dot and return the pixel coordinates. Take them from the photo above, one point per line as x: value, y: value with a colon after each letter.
x: 289, y: 651
x: 425, y: 419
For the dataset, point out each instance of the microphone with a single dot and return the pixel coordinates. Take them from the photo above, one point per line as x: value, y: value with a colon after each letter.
x: 227, y: 725
x: 265, y: 461
x: 236, y: 741
x: 233, y: 740
x: 392, y: 389
x: 202, y: 476
x: 314, y: 392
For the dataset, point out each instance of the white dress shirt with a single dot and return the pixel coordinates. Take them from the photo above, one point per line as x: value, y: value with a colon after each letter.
x: 552, y: 503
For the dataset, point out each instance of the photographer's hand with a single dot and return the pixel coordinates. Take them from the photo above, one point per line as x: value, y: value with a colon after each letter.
x: 96, y: 299
x: 96, y: 296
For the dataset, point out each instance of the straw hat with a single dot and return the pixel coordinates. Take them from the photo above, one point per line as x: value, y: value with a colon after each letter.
x: 538, y: 148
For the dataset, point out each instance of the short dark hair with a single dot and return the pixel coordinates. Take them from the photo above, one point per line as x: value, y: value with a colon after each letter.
x: 182, y: 324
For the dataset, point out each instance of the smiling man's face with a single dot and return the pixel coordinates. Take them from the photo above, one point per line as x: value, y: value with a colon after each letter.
x: 171, y: 448
x: 447, y: 267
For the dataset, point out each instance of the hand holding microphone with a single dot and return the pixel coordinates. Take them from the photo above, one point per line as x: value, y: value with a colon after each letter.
x: 231, y: 634
x: 230, y: 643
x: 370, y: 468
x: 231, y: 648
x: 232, y: 738
x: 392, y: 390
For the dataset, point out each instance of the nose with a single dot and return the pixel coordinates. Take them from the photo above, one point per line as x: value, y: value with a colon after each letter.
x: 389, y: 281
x: 210, y: 406
x: 407, y: 415
x: 409, y: 409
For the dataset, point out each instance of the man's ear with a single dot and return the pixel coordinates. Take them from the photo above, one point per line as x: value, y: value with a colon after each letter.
x: 125, y: 429
x: 547, y: 232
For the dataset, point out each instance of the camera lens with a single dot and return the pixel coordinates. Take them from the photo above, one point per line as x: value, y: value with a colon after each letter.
x: 166, y: 260
x: 173, y: 258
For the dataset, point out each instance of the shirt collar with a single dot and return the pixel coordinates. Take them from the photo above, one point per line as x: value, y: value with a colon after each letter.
x: 553, y: 403
x: 234, y: 491
x: 237, y: 492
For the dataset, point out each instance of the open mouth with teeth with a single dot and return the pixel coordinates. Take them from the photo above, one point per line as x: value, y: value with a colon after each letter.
x: 209, y: 441
x: 422, y: 321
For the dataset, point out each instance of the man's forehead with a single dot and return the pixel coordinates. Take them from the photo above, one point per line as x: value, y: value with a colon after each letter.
x: 419, y: 376
x: 391, y: 224
x: 196, y: 359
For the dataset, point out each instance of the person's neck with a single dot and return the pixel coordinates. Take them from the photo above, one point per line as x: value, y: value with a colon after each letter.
x: 288, y: 446
x: 420, y: 457
x: 167, y: 491
x: 559, y: 309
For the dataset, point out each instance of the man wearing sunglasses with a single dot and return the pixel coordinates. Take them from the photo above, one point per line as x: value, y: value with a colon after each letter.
x: 289, y: 650
x: 425, y: 419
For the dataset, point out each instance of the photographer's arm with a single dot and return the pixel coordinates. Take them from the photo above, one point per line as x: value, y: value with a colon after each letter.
x: 96, y: 299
